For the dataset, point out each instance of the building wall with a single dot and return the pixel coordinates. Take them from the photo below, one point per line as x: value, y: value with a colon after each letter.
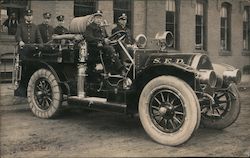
x: 155, y: 20
x: 213, y: 30
x: 139, y: 18
x: 236, y: 58
x: 187, y: 26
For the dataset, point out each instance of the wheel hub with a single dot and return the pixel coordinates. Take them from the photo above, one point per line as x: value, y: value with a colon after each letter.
x: 163, y: 111
x: 167, y: 111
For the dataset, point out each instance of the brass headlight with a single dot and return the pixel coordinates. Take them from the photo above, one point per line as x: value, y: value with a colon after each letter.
x: 232, y: 76
x: 141, y: 41
x: 207, y: 77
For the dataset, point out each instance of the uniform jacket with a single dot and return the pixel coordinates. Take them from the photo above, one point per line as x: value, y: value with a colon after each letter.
x: 46, y: 32
x: 28, y: 33
x: 95, y: 34
x: 129, y: 39
x: 12, y: 26
x: 60, y: 30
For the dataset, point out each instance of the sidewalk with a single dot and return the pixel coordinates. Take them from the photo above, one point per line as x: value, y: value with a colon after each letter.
x: 7, y: 93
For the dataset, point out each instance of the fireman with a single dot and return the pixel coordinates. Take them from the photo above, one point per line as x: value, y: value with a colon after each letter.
x: 96, y: 37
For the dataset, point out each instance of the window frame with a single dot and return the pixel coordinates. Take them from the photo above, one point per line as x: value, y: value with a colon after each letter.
x: 225, y: 16
x: 246, y: 27
x: 201, y: 12
x: 175, y: 11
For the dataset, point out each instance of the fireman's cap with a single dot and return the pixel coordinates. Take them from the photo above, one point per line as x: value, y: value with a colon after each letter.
x: 60, y: 17
x: 28, y: 12
x: 98, y: 13
x: 123, y: 17
x: 47, y: 15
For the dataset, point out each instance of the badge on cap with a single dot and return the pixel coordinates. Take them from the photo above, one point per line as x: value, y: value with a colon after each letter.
x: 47, y: 15
x: 60, y: 17
x: 123, y: 16
x: 98, y: 13
x: 28, y: 12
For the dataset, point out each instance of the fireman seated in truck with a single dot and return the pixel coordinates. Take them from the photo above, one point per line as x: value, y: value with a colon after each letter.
x: 97, y: 40
x: 128, y: 41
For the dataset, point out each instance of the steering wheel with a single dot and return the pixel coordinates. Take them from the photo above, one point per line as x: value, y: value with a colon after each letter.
x: 117, y: 36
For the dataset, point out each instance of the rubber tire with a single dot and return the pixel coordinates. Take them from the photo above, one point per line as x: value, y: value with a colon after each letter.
x: 54, y: 108
x: 191, y: 103
x: 230, y: 117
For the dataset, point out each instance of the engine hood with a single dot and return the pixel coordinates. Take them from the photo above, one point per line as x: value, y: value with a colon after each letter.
x: 194, y: 61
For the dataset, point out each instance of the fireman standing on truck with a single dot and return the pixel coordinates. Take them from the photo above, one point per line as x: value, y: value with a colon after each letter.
x: 60, y: 29
x: 46, y: 30
x: 27, y: 32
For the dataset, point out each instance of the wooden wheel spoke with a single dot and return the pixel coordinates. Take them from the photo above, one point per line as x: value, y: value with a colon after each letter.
x: 176, y: 119
x: 155, y: 107
x: 157, y: 100
x: 47, y: 103
x: 179, y: 113
x: 168, y: 98
x: 219, y: 96
x: 218, y: 111
x: 49, y: 99
x: 172, y: 123
x: 162, y: 97
x: 172, y: 102
x: 176, y: 106
x: 222, y: 101
x: 161, y: 118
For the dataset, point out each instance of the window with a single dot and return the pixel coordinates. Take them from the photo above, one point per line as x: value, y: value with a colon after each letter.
x: 200, y: 25
x: 14, y: 3
x: 10, y: 6
x: 122, y: 6
x: 225, y: 16
x: 246, y: 28
x: 171, y: 19
x: 84, y: 7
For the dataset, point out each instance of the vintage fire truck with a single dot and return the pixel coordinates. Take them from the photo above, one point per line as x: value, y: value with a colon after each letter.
x: 172, y: 92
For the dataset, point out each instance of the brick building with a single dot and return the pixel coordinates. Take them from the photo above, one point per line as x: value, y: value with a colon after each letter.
x: 219, y: 28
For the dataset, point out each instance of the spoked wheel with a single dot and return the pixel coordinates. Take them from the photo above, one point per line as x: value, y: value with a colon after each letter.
x: 169, y: 110
x: 44, y: 94
x: 224, y: 112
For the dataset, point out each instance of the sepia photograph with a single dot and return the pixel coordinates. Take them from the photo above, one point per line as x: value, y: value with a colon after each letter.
x: 124, y: 78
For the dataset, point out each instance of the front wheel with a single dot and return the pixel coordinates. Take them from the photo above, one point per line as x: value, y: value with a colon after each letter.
x: 169, y: 110
x: 44, y: 94
x: 224, y: 111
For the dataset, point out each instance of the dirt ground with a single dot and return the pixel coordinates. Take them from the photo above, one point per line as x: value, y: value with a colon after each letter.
x: 78, y: 133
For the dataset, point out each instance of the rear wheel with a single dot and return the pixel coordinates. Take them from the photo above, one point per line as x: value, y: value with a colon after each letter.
x: 224, y: 111
x: 44, y: 94
x: 169, y: 110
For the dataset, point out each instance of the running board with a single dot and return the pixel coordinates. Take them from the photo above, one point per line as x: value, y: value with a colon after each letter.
x: 96, y: 103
